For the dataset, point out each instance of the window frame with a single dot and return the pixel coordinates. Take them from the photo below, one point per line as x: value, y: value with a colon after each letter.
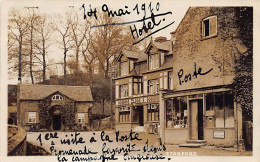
x: 170, y: 86
x: 126, y: 92
x: 153, y: 85
x: 153, y: 61
x: 125, y: 113
x: 54, y: 97
x: 203, y: 36
x: 123, y: 69
x: 81, y: 119
x: 154, y: 110
x: 30, y: 116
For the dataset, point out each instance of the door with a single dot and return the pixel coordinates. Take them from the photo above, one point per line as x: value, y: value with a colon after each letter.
x: 56, y: 122
x: 196, y: 120
x: 141, y: 116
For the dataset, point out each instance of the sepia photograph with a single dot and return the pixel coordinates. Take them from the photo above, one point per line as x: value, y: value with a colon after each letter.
x: 127, y: 81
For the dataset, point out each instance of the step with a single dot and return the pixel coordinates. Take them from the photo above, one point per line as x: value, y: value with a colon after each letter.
x: 193, y: 145
x: 196, y: 141
x: 138, y: 129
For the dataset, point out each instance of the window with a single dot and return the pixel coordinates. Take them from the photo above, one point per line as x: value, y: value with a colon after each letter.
x: 170, y: 84
x: 220, y: 110
x: 176, y: 113
x: 153, y: 86
x: 153, y: 61
x: 57, y: 97
x: 153, y: 112
x: 123, y: 91
x: 124, y: 114
x: 123, y: 68
x: 32, y: 117
x: 209, y: 26
x: 138, y: 86
x: 81, y: 117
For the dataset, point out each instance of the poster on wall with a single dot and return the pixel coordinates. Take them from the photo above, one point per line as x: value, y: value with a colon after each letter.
x: 127, y: 80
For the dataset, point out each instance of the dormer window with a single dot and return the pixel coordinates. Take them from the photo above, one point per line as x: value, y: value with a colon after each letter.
x: 209, y: 27
x: 153, y: 61
x: 123, y: 68
x: 57, y: 97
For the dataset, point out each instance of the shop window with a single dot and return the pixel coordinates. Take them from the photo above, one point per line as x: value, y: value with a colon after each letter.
x: 153, y: 86
x: 123, y: 68
x: 32, y: 117
x: 153, y: 112
x: 220, y: 110
x: 123, y: 91
x: 209, y: 27
x: 137, y: 86
x: 57, y: 97
x: 124, y: 114
x: 176, y: 113
x: 153, y: 61
x: 81, y: 117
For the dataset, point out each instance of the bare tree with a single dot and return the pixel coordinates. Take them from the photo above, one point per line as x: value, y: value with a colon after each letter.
x: 64, y: 29
x: 33, y: 20
x: 17, y: 28
x: 79, y: 28
x: 45, y: 31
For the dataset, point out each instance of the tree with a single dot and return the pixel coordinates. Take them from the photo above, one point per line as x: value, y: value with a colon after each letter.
x: 44, y: 30
x: 107, y: 41
x: 33, y: 20
x: 79, y: 28
x: 17, y: 28
x: 64, y: 29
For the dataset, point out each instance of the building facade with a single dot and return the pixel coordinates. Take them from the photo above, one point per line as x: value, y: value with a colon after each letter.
x: 142, y: 75
x: 184, y: 89
x: 203, y: 105
x: 53, y: 107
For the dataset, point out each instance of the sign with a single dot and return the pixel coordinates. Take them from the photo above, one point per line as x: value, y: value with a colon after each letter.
x: 219, y: 134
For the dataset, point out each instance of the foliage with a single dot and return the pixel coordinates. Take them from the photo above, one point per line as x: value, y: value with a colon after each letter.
x: 243, y: 81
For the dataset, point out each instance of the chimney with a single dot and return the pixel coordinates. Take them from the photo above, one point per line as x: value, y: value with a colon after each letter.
x: 173, y: 38
x: 160, y: 39
x: 54, y: 80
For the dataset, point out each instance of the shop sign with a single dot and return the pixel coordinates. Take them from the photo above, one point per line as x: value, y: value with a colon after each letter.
x: 219, y: 134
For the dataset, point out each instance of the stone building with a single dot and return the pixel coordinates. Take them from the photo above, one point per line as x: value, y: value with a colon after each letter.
x: 141, y: 76
x: 53, y: 107
x: 202, y: 107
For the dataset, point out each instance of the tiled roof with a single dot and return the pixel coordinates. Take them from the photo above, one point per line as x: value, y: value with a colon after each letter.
x: 166, y: 45
x: 131, y: 54
x: 36, y: 91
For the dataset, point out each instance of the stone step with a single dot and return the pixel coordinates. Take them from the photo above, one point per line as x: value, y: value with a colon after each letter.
x: 196, y: 141
x: 193, y: 145
x: 138, y: 129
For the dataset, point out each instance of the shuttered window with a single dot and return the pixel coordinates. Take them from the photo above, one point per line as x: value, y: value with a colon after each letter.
x: 209, y: 26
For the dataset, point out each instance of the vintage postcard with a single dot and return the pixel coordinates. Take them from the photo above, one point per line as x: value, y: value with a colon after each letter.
x: 129, y: 80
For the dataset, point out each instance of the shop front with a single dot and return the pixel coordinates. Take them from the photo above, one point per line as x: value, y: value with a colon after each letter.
x: 209, y: 115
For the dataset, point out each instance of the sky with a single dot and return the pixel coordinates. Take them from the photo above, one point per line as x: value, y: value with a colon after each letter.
x: 60, y: 8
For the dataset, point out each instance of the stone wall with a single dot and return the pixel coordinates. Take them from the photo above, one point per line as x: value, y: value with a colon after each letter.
x: 17, y: 144
x: 217, y: 53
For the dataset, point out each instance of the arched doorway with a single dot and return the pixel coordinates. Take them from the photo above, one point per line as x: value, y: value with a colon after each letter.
x: 56, y: 118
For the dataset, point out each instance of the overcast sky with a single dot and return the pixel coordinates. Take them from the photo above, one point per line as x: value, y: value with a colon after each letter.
x: 60, y: 7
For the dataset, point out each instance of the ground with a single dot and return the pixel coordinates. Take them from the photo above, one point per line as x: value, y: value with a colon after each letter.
x: 51, y: 141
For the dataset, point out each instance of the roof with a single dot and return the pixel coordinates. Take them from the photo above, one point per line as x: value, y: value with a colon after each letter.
x: 36, y: 92
x: 160, y: 45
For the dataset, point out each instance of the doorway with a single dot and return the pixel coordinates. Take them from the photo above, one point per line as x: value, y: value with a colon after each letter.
x: 196, y: 119
x: 56, y: 117
x: 56, y: 122
x: 141, y: 116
